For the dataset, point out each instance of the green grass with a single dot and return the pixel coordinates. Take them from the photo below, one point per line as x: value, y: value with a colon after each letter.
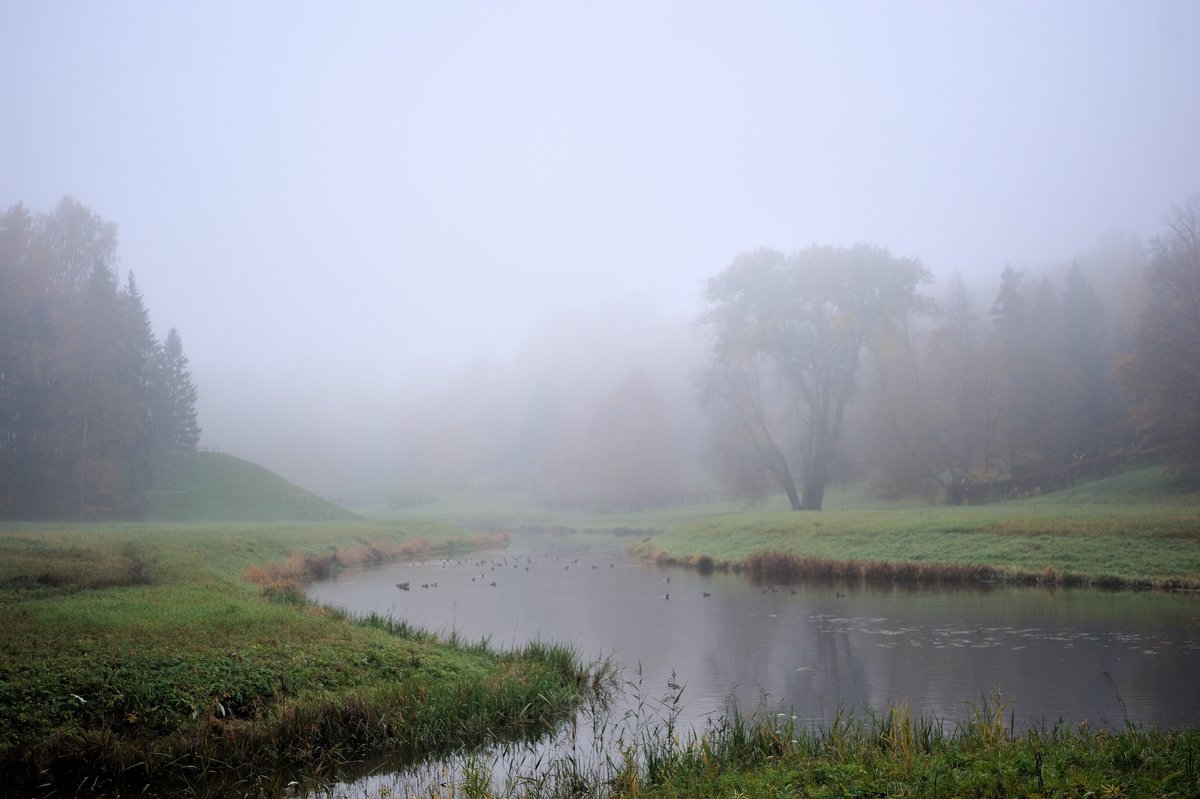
x: 141, y: 654
x: 516, y: 511
x: 205, y: 486
x: 896, y: 755
x: 1133, y: 529
x: 1139, y: 528
x: 856, y: 756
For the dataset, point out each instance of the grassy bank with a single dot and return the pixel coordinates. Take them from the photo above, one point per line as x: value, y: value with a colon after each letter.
x: 184, y: 657
x: 1133, y: 530
x: 898, y: 756
x: 894, y: 755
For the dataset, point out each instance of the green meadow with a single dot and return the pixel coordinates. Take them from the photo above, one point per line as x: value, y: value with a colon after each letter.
x: 179, y: 655
x: 183, y: 658
x: 1137, y: 529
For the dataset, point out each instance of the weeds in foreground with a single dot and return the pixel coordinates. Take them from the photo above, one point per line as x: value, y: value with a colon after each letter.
x: 768, y: 754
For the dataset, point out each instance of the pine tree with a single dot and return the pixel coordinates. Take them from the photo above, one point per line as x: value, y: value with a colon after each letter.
x: 141, y: 360
x: 964, y: 394
x: 1010, y: 345
x: 176, y: 414
x: 1092, y: 401
x: 140, y: 345
x: 85, y: 389
x: 99, y: 423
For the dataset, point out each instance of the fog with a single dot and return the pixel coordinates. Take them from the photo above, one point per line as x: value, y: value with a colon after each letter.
x: 360, y: 216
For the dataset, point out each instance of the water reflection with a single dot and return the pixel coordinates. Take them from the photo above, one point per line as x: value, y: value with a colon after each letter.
x: 813, y: 648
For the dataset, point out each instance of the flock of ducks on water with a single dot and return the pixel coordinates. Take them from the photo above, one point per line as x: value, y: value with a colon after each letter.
x: 493, y: 565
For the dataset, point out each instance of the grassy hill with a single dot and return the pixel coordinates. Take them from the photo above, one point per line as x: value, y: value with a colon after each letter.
x: 207, y: 486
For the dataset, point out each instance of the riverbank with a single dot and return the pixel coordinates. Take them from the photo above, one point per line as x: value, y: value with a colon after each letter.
x: 185, y: 658
x: 889, y: 755
x: 1130, y: 531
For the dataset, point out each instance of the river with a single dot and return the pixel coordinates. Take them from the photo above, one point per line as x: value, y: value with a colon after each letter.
x: 811, y: 650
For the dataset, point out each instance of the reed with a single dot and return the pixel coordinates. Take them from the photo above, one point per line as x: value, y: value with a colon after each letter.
x: 775, y: 566
x: 772, y: 566
x: 894, y: 754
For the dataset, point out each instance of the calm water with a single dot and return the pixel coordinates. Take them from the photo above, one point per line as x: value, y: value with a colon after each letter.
x: 812, y: 648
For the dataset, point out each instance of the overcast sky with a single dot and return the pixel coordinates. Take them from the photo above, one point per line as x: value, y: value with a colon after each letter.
x: 360, y: 190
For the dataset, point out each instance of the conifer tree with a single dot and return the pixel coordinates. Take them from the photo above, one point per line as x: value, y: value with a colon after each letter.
x: 99, y: 422
x: 1092, y: 403
x: 177, y: 398
x: 85, y: 389
x: 141, y: 361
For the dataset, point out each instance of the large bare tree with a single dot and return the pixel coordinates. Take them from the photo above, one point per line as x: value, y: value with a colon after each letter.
x: 802, y: 322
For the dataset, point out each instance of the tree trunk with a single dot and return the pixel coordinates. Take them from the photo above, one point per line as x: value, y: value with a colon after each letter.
x: 814, y: 489
x: 789, y: 485
x: 816, y: 458
x: 785, y: 478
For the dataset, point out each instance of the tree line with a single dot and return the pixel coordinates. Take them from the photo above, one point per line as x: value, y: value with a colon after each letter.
x: 836, y: 364
x: 87, y: 391
x: 960, y: 402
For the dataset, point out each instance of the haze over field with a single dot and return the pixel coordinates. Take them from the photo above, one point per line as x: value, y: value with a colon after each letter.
x: 362, y: 216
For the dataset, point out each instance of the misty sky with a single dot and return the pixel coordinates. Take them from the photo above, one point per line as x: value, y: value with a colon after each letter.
x: 355, y: 194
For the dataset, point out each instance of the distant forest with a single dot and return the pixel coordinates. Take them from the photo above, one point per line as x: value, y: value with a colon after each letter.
x: 953, y: 399
x: 821, y: 366
x: 842, y: 365
x: 87, y: 391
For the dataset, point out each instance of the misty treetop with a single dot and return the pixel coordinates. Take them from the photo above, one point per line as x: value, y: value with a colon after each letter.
x: 86, y: 389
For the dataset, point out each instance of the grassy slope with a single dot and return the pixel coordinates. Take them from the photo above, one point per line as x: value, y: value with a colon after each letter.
x: 124, y: 644
x: 204, y: 486
x: 1136, y: 527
